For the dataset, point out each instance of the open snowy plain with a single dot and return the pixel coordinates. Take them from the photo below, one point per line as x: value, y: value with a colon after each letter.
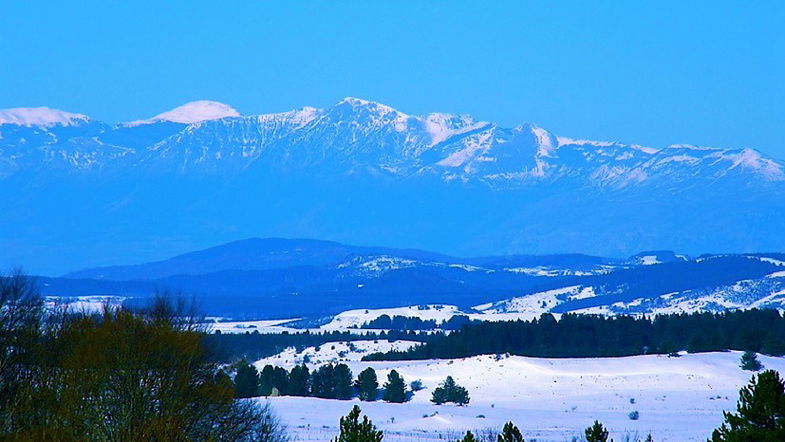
x: 678, y: 398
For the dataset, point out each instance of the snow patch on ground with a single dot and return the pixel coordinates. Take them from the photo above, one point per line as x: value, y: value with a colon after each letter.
x: 332, y: 352
x: 358, y: 317
x: 83, y: 304
x: 265, y: 326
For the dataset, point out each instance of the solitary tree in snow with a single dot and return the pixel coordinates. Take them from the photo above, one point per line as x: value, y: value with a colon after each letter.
x: 449, y: 391
x: 596, y: 433
x: 510, y: 433
x: 395, y: 388
x: 469, y: 437
x: 354, y: 430
x: 749, y: 361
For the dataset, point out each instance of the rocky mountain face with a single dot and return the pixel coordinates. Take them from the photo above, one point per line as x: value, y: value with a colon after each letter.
x: 365, y: 173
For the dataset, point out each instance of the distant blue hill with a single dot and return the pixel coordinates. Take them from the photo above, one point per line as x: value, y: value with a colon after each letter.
x: 269, y: 278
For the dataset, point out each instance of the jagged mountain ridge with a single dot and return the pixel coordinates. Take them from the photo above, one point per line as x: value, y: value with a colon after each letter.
x: 356, y: 135
x: 364, y: 173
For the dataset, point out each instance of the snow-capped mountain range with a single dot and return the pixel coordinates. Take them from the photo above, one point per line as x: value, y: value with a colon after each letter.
x: 360, y: 171
x: 358, y: 135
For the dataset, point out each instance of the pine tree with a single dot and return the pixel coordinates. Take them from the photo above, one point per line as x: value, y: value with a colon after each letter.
x: 266, y: 380
x: 510, y: 433
x: 439, y: 396
x: 352, y: 430
x: 367, y: 383
x: 469, y: 437
x: 342, y: 381
x: 322, y: 382
x: 395, y: 388
x: 460, y: 395
x: 596, y: 433
x: 760, y: 413
x: 246, y: 381
x: 749, y: 361
x: 298, y: 380
x: 280, y: 381
x: 649, y: 438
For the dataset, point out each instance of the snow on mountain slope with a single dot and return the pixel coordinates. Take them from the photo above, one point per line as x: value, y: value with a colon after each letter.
x: 647, y: 289
x: 533, y: 305
x: 358, y: 134
x: 40, y: 116
x: 678, y: 399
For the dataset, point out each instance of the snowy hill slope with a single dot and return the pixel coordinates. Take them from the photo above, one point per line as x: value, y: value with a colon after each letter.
x: 678, y: 399
x: 709, y: 283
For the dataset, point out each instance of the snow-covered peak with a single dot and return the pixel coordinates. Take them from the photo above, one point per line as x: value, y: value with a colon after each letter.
x: 752, y: 159
x: 354, y: 101
x: 40, y: 116
x: 193, y: 112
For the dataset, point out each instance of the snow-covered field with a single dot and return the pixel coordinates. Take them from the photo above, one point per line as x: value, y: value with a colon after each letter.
x: 679, y: 399
x: 265, y: 326
x: 83, y: 304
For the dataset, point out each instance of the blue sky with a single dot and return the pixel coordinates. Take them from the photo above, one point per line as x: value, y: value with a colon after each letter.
x: 653, y: 73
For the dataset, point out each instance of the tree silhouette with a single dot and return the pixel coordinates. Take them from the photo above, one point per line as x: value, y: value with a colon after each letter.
x: 760, y: 413
x: 354, y: 430
x: 395, y: 388
x: 749, y: 361
x: 596, y: 433
x: 510, y: 433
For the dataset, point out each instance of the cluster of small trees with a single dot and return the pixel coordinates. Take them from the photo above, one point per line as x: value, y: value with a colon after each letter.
x: 119, y: 375
x: 330, y: 381
x: 449, y: 391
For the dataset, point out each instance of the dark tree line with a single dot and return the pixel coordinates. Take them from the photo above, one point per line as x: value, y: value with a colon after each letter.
x: 330, y: 381
x: 397, y: 322
x: 761, y: 331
